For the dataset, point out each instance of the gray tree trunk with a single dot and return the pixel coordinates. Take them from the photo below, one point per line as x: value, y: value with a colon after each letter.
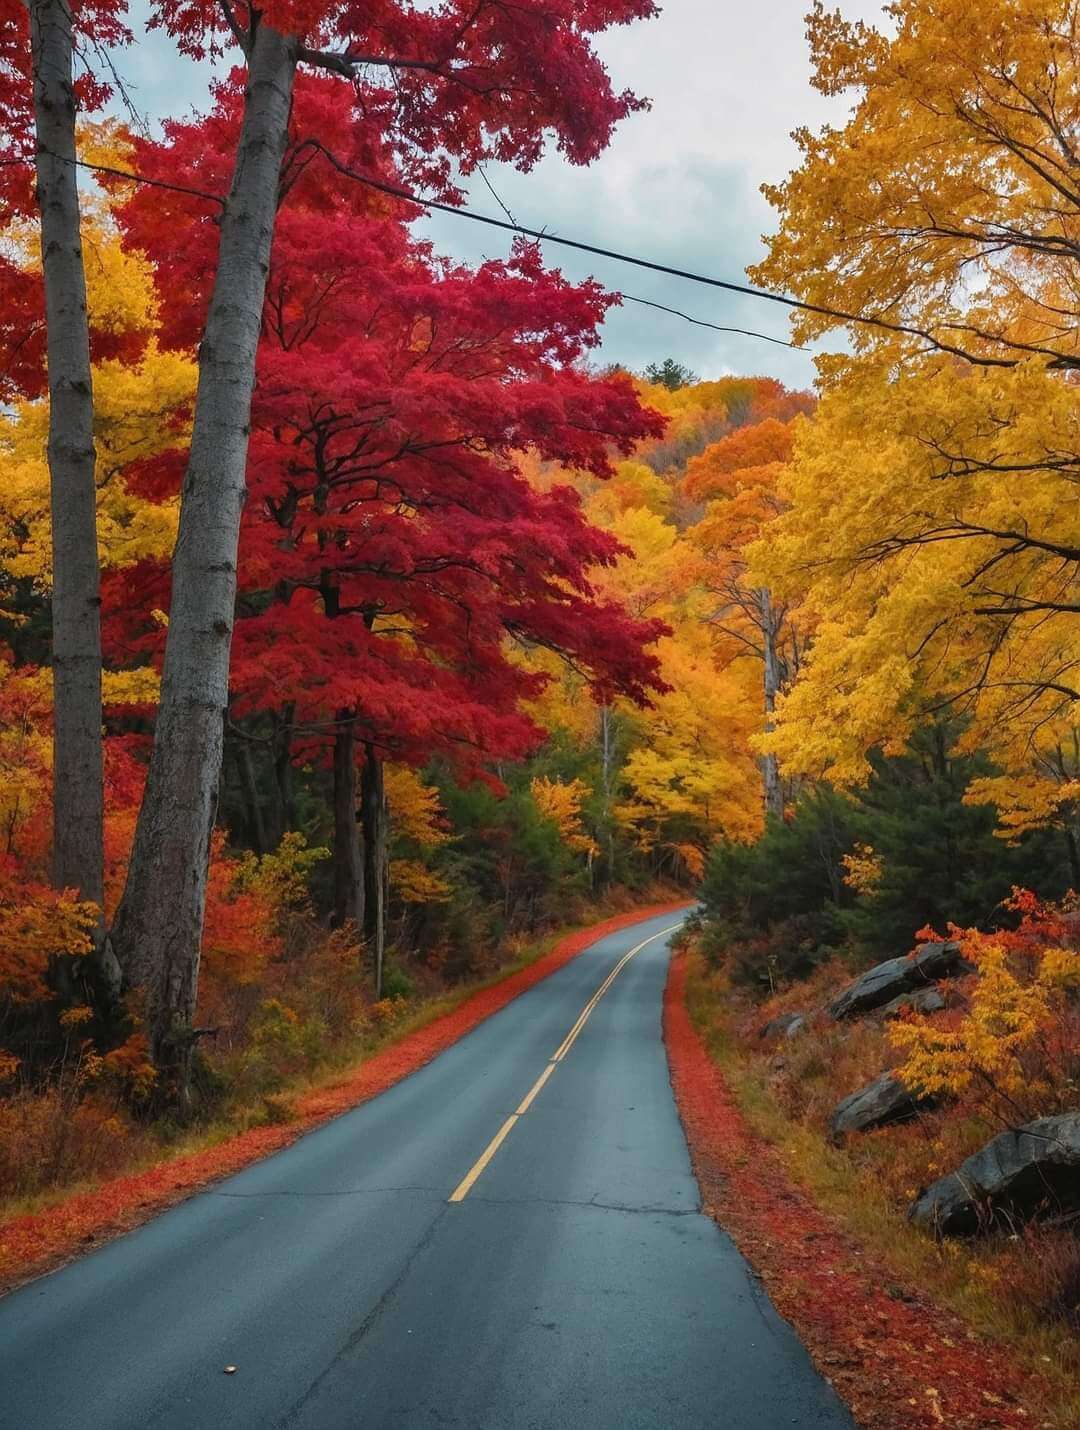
x: 607, y: 764
x: 373, y: 819
x: 770, y: 769
x: 159, y: 925
x: 78, y: 780
x: 249, y: 785
x: 76, y: 607
x: 347, y: 861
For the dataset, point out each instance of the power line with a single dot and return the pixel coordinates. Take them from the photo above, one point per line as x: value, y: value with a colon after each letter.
x: 702, y: 323
x: 648, y: 302
x: 217, y: 199
x: 541, y: 235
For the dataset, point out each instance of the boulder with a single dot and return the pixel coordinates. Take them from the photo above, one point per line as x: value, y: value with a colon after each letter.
x: 923, y: 1000
x: 1020, y: 1175
x: 888, y: 981
x: 786, y: 1025
x: 877, y: 1104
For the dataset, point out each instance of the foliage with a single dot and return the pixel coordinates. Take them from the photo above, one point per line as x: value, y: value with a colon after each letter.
x: 852, y: 872
x: 1013, y: 1049
x: 670, y: 374
x: 937, y: 563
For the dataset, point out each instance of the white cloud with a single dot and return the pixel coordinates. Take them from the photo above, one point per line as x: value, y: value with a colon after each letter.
x: 679, y: 184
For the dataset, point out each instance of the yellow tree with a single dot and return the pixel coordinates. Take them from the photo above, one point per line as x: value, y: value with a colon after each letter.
x: 934, y: 530
x: 738, y: 477
x: 690, y: 776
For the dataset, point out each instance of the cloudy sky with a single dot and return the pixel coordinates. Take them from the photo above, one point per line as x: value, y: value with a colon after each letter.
x: 728, y: 81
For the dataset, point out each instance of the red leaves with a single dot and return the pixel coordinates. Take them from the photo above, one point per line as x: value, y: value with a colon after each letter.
x: 390, y: 545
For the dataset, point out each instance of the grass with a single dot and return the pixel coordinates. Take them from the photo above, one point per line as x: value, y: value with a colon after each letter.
x: 994, y: 1285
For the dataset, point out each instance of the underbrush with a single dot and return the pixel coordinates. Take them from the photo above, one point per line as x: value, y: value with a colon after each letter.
x: 278, y: 1027
x: 1018, y: 1285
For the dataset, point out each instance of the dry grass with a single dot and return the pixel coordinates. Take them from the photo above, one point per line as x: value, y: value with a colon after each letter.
x: 1022, y: 1289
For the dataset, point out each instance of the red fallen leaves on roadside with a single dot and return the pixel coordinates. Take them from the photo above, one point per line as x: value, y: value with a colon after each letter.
x: 900, y: 1362
x: 37, y: 1242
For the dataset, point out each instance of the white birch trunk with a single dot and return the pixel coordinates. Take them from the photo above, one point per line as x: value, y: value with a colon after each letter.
x: 770, y: 769
x: 78, y: 796
x: 159, y: 925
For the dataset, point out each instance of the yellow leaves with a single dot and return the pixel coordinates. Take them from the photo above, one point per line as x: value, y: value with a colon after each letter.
x: 279, y: 879
x: 135, y: 409
x: 34, y: 926
x: 919, y: 556
x: 863, y: 869
x: 694, y: 763
x: 414, y: 807
x: 950, y: 158
x: 130, y: 687
x: 414, y: 883
x: 416, y: 816
x: 1010, y: 1012
x: 934, y: 510
x: 560, y: 802
x: 1025, y: 801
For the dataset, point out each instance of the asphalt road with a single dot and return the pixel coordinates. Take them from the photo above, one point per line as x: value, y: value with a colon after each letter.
x: 575, y: 1284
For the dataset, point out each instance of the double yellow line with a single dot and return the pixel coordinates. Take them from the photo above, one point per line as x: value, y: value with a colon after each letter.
x: 463, y: 1188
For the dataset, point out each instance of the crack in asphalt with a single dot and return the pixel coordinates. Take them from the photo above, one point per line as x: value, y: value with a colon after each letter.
x: 367, y: 1324
x: 343, y: 1192
x: 592, y: 1204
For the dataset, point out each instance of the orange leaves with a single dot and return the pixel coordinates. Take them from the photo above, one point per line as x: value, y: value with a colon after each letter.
x: 751, y: 453
x: 36, y: 924
x: 1014, y: 1046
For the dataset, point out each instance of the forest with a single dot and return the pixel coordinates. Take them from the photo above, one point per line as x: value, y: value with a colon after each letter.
x: 362, y: 632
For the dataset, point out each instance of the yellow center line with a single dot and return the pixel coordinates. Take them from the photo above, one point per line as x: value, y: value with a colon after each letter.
x: 464, y: 1187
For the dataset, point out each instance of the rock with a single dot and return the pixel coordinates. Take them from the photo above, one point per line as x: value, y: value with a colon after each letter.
x: 923, y: 1000
x: 786, y: 1025
x: 1021, y: 1174
x: 891, y: 980
x: 880, y: 1102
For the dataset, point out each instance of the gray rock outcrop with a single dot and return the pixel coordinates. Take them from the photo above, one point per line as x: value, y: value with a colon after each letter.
x: 877, y: 1104
x: 890, y: 980
x: 922, y: 1000
x: 1020, y: 1175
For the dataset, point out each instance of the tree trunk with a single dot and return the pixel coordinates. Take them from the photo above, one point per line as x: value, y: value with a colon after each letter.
x: 252, y: 803
x: 78, y: 780
x: 607, y: 764
x: 348, y: 865
x: 284, y: 802
x: 76, y: 606
x: 373, y: 818
x: 770, y: 769
x: 159, y: 925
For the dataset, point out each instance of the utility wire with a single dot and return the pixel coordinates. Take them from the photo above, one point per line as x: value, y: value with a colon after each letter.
x: 648, y: 302
x: 217, y: 199
x: 396, y: 191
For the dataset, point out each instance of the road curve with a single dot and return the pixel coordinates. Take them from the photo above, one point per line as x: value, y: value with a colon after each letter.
x: 574, y: 1284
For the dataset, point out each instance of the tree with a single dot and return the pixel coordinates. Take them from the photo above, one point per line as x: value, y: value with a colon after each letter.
x: 939, y: 559
x: 670, y: 374
x: 463, y: 82
x: 738, y: 477
x: 389, y: 547
x: 48, y: 93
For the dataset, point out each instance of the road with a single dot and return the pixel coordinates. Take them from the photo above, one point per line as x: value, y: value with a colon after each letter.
x: 574, y: 1283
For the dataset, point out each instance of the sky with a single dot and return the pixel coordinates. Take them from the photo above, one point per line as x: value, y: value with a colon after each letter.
x: 680, y: 184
